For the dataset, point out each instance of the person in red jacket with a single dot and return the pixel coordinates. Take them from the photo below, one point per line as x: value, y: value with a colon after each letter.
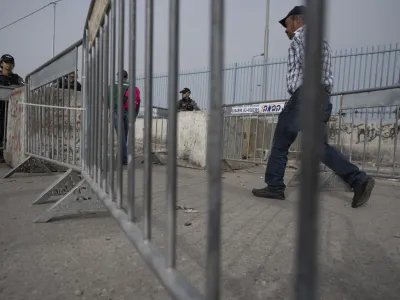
x: 125, y: 115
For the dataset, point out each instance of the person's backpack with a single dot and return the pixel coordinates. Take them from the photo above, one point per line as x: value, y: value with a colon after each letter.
x: 126, y: 98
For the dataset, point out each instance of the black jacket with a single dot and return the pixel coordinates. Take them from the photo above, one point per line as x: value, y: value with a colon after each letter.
x: 187, y: 104
x: 12, y: 79
x: 69, y: 85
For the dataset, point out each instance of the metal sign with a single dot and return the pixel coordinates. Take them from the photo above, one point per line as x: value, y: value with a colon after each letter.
x: 99, y: 10
x: 271, y: 108
x: 245, y: 109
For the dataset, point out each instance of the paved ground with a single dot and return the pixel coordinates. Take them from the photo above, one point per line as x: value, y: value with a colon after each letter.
x: 90, y: 258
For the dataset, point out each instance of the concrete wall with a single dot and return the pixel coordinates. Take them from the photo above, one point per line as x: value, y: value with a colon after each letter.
x: 13, y: 154
x: 192, y: 136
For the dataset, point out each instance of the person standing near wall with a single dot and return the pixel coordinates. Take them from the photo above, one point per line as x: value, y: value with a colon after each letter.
x: 288, y: 124
x: 9, y: 79
x: 187, y: 103
x: 69, y: 82
x: 125, y: 116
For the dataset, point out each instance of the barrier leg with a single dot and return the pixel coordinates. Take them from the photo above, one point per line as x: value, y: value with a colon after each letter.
x: 80, y: 200
x: 155, y: 158
x: 29, y: 165
x: 60, y: 187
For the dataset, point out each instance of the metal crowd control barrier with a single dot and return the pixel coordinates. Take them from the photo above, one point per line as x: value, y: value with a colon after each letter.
x: 94, y: 162
x: 53, y: 115
x: 102, y: 31
x: 4, y: 98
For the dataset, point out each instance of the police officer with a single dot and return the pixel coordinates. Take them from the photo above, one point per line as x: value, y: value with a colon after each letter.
x: 7, y: 77
x: 187, y: 103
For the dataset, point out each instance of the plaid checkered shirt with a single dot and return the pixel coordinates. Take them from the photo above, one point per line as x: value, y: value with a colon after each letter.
x: 295, y: 64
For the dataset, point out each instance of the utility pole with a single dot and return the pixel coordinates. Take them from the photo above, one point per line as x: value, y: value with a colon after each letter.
x: 54, y: 26
x: 266, y: 40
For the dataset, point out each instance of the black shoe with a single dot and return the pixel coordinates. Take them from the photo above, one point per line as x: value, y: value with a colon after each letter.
x: 362, y: 192
x: 267, y: 193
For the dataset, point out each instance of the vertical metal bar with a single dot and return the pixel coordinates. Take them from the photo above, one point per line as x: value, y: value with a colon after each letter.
x: 378, y: 159
x: 396, y: 133
x: 68, y: 111
x: 132, y: 109
x: 106, y: 114
x: 359, y: 68
x: 214, y: 150
x: 365, y: 137
x: 27, y: 109
x: 83, y: 114
x: 95, y: 108
x: 255, y: 138
x: 227, y: 121
x: 63, y: 118
x: 40, y: 110
x: 351, y: 134
x: 75, y: 111
x: 53, y: 94
x: 91, y: 108
x: 234, y: 83
x: 312, y: 142
x: 35, y: 119
x: 383, y: 64
x: 99, y: 113
x: 47, y: 121
x: 149, y: 36
x: 173, y: 69
x: 248, y: 138
x: 57, y: 122
x: 235, y: 139
x: 263, y: 136
x: 121, y: 36
x: 112, y: 100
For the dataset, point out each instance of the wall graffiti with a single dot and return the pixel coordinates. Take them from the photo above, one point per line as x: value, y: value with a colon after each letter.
x: 363, y: 133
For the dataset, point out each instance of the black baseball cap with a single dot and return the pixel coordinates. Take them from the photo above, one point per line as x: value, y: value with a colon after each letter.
x: 124, y: 74
x: 185, y: 90
x: 7, y: 58
x: 297, y: 10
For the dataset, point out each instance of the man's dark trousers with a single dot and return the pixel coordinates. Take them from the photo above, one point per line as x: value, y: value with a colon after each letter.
x: 286, y: 131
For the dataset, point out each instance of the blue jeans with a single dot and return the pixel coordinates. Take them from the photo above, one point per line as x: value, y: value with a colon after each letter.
x: 286, y: 131
x: 125, y: 127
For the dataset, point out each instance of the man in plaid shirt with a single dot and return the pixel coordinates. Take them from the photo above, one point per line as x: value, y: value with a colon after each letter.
x: 288, y: 122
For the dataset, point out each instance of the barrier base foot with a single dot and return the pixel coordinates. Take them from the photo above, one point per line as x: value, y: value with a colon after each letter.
x: 80, y: 200
x: 155, y: 159
x: 227, y: 165
x: 60, y: 187
x: 332, y: 181
x: 329, y: 181
x: 29, y: 165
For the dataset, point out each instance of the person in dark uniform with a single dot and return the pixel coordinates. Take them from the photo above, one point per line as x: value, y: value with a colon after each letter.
x: 7, y: 77
x: 187, y: 103
x: 69, y: 83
